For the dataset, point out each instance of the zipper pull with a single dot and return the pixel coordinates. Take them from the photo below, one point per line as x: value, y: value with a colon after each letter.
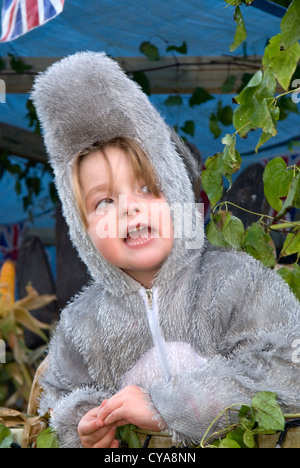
x: 149, y: 294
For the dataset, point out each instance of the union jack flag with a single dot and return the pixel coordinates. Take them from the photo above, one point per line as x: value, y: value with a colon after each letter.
x: 21, y: 16
x: 11, y: 238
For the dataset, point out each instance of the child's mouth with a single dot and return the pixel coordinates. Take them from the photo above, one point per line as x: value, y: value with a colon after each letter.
x: 138, y: 236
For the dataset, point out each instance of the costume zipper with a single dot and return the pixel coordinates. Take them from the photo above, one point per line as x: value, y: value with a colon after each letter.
x: 158, y: 340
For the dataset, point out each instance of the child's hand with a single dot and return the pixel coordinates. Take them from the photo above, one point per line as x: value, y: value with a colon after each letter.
x: 129, y: 406
x: 93, y: 433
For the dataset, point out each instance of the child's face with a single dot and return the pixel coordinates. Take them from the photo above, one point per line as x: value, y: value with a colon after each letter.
x: 129, y: 226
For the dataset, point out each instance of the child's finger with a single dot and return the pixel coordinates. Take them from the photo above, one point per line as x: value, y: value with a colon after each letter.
x: 100, y: 408
x: 115, y: 444
x: 87, y: 427
x: 108, y: 439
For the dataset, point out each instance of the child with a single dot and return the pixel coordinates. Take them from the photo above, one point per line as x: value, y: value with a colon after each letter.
x: 172, y: 330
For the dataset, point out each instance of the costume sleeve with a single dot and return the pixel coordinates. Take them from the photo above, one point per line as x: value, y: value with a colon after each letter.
x: 68, y: 390
x: 255, y: 323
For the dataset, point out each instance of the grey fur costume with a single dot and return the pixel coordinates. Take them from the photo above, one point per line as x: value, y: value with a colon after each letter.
x: 221, y: 327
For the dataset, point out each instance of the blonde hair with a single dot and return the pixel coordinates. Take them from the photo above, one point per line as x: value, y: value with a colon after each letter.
x: 137, y: 157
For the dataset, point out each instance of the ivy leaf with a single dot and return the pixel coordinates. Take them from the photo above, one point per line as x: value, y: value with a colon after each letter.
x: 214, y: 126
x: 286, y: 105
x: 150, y: 50
x: 128, y: 435
x: 212, y: 178
x: 229, y: 443
x: 174, y: 101
x: 231, y: 157
x: 2, y: 64
x: 230, y: 233
x: 47, y: 440
x: 241, y: 33
x: 18, y: 65
x: 290, y: 25
x: 283, y: 62
x: 199, y: 96
x: 292, y: 278
x: 180, y: 49
x: 239, y: 2
x: 267, y: 411
x: 249, y: 439
x: 189, y: 127
x: 256, y: 243
x: 262, y: 118
x: 142, y: 79
x: 219, y: 165
x: 277, y: 182
x: 229, y: 84
x: 291, y: 245
x: 6, y: 438
x: 255, y: 110
x: 225, y: 115
x: 292, y: 197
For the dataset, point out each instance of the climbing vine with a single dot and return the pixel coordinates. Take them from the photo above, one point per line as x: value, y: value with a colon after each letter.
x: 258, y: 107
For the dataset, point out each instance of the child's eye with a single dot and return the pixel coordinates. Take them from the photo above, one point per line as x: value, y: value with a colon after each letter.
x: 104, y: 203
x: 145, y: 189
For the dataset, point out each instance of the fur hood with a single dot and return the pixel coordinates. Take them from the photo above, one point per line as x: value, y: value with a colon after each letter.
x: 87, y: 98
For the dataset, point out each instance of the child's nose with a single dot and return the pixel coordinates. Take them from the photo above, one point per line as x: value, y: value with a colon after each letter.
x: 130, y: 205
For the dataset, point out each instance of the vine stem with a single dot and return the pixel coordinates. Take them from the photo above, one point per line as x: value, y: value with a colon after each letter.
x: 276, y: 227
x: 202, y: 443
x: 243, y: 209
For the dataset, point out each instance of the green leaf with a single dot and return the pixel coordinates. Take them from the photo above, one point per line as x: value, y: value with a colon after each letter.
x: 292, y: 197
x: 290, y: 25
x: 231, y: 157
x: 214, y: 125
x: 18, y: 65
x: 286, y: 105
x: 283, y: 62
x: 129, y: 436
x: 142, y: 79
x: 238, y: 436
x: 234, y: 2
x: 239, y: 2
x: 214, y: 236
x: 292, y: 278
x: 199, y: 96
x: 6, y: 438
x: 212, y: 178
x: 229, y: 443
x: 189, y: 127
x: 257, y: 108
x: 229, y: 84
x: 2, y: 64
x: 256, y: 243
x: 225, y: 115
x: 267, y: 411
x: 249, y: 439
x: 180, y: 49
x: 174, y: 101
x: 262, y: 118
x: 150, y: 50
x: 231, y: 233
x: 241, y: 33
x: 277, y: 182
x: 220, y: 164
x: 47, y: 439
x: 292, y: 244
